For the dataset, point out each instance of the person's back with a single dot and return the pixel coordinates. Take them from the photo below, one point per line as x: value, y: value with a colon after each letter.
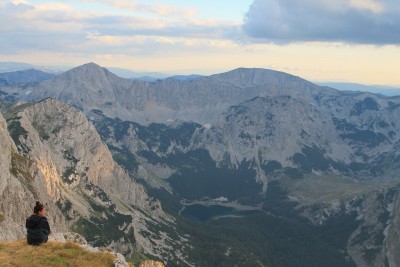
x: 37, y: 226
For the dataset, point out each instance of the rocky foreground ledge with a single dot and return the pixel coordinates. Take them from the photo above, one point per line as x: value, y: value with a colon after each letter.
x: 81, y: 241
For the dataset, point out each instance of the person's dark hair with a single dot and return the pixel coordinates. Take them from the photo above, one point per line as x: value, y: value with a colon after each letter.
x: 39, y: 207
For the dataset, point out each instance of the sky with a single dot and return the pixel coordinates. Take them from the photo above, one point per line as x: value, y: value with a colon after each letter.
x: 319, y: 40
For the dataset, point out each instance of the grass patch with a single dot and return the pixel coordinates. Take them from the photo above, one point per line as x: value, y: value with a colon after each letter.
x: 17, y: 132
x: 20, y: 165
x: 51, y: 254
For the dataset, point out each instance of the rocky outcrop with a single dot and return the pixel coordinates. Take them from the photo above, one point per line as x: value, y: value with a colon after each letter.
x: 69, y: 237
x: 151, y: 264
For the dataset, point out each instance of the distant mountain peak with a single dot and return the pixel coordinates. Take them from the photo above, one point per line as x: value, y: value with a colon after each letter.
x: 253, y: 70
x: 248, y: 77
x: 88, y: 66
x: 90, y: 72
x: 91, y: 65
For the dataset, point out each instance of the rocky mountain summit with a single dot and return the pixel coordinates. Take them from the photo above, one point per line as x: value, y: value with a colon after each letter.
x: 321, y: 163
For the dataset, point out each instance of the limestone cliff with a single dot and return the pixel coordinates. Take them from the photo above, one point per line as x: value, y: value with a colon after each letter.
x: 56, y: 156
x: 12, y: 192
x: 67, y: 149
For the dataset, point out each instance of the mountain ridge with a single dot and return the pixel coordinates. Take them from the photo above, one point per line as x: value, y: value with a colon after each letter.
x: 163, y: 100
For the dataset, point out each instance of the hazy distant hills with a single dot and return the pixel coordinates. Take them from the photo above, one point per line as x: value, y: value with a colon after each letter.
x: 24, y: 76
x: 20, y: 66
x: 154, y: 76
x: 121, y: 72
x: 357, y: 88
x: 14, y: 66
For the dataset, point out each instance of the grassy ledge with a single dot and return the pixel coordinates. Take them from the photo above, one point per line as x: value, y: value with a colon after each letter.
x: 19, y: 253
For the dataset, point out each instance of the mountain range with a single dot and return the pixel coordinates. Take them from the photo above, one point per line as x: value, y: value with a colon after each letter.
x: 357, y: 88
x: 24, y: 76
x: 320, y: 162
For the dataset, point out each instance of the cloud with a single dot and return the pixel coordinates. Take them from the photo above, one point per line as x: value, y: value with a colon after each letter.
x: 137, y: 6
x: 350, y: 21
x: 132, y: 26
x: 26, y: 27
x: 29, y: 26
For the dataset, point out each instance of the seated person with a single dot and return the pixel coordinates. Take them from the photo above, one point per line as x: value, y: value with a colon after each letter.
x: 37, y: 226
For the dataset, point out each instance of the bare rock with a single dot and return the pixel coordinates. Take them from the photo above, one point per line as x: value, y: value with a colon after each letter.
x: 68, y: 237
x: 150, y: 263
x: 120, y: 261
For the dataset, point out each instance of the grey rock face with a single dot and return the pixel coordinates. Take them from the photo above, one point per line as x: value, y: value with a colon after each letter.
x: 60, y: 160
x: 63, y: 133
x: 16, y: 193
x: 6, y: 221
x: 5, y: 157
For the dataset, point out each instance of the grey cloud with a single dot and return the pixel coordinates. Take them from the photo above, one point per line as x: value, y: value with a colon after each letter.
x: 285, y: 21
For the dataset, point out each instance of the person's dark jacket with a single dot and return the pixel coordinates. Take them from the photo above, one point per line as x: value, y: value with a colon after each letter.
x: 38, y: 230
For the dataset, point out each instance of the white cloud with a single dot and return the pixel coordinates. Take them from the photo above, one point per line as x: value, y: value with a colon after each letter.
x: 64, y: 27
x: 157, y: 9
x: 371, y: 5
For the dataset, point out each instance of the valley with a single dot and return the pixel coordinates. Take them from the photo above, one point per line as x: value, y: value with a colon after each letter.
x: 204, y: 210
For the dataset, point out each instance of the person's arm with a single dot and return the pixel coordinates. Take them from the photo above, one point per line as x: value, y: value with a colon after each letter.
x: 48, y: 227
x: 45, y: 226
